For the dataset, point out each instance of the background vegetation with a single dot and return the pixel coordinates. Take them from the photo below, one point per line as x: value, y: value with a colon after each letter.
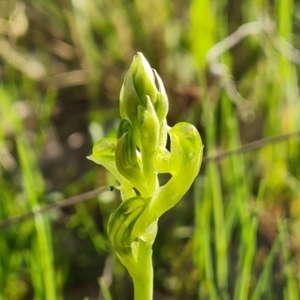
x: 230, y: 67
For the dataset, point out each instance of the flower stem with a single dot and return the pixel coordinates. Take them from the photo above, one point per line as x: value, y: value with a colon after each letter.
x: 143, y: 284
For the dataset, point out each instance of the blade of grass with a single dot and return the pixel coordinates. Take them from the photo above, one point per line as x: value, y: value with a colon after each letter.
x: 215, y: 192
x: 291, y: 288
x: 261, y: 289
x: 237, y: 184
x: 82, y: 35
x: 203, y: 29
x: 288, y: 72
x: 33, y: 189
x: 202, y: 251
x: 213, y: 204
x: 104, y: 289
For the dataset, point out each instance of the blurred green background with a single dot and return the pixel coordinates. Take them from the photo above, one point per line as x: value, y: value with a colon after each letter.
x: 230, y: 67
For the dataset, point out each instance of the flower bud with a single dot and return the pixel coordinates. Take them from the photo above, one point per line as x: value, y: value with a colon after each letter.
x: 143, y: 78
x: 139, y: 84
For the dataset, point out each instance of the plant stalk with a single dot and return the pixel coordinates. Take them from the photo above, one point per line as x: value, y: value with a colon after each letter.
x: 143, y: 283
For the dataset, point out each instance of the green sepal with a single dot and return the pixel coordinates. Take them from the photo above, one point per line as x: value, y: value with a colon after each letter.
x: 148, y: 128
x: 104, y: 154
x: 129, y: 98
x: 123, y: 112
x: 127, y: 163
x: 121, y: 229
x: 162, y: 104
x: 129, y: 152
x: 143, y: 78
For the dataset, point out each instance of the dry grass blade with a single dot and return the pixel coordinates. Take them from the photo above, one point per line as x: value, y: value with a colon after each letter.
x: 67, y: 202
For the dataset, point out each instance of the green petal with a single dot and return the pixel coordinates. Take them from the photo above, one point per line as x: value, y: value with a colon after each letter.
x: 162, y: 160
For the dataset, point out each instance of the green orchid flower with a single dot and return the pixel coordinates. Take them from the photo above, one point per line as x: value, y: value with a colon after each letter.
x: 136, y: 157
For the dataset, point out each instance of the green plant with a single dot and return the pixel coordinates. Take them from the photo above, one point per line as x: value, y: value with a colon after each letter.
x: 136, y: 158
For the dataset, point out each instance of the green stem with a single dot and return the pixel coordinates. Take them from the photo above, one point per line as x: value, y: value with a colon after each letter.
x: 143, y: 283
x: 149, y: 173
